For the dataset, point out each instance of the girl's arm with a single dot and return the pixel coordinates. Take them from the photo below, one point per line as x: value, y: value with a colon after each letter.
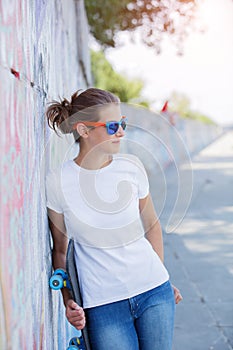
x: 151, y: 224
x: 74, y: 312
x: 153, y: 233
x: 60, y: 244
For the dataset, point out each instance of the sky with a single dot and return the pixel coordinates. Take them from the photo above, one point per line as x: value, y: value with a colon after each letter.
x: 204, y: 73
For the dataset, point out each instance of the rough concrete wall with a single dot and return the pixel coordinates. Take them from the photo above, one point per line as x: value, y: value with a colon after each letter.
x: 43, y: 55
x: 155, y: 137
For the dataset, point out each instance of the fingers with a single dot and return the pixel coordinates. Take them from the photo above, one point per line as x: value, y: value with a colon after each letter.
x: 77, y: 322
x: 75, y: 315
x: 177, y: 295
x: 73, y: 305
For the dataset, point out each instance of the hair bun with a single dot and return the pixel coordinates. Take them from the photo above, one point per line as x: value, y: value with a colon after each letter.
x: 67, y: 105
x: 58, y: 114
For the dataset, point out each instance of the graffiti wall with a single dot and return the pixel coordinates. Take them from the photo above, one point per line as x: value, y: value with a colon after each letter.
x: 43, y: 55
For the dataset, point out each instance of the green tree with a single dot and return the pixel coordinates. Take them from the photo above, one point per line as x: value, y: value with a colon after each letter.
x: 128, y: 90
x: 155, y: 17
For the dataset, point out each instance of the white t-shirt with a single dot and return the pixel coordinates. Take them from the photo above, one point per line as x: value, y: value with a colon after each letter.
x: 101, y: 212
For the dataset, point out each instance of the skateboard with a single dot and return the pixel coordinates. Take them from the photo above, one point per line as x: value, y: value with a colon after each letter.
x: 69, y: 279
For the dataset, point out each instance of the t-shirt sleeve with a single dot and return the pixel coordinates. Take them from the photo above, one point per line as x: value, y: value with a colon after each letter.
x: 52, y: 192
x: 142, y: 179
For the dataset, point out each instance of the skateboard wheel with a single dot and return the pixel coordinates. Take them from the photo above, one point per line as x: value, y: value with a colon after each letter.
x: 61, y: 273
x: 56, y: 282
x: 58, y: 279
x: 77, y: 343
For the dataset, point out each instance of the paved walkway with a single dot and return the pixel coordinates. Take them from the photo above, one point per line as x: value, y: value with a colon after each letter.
x: 199, y: 253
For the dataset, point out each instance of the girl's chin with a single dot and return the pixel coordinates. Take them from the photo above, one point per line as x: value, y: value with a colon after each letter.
x: 115, y: 147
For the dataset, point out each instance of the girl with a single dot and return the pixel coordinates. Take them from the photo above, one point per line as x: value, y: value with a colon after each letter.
x: 101, y: 198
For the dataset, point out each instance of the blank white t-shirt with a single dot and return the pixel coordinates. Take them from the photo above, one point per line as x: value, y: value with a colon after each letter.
x: 101, y: 212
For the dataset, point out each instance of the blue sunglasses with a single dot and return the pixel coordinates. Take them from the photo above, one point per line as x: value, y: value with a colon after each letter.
x: 112, y: 127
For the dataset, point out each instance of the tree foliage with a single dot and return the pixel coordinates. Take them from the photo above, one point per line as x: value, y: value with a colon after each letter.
x: 106, y: 78
x: 155, y: 17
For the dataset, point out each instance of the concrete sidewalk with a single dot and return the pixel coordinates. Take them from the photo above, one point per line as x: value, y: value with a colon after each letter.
x: 199, y: 253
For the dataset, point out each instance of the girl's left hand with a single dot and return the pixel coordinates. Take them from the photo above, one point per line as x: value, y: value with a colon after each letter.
x: 177, y: 295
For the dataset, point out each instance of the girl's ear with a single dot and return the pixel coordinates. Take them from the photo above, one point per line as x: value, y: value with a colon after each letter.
x: 82, y: 130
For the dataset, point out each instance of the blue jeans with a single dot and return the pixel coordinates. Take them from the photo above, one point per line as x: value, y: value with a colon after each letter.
x: 142, y: 322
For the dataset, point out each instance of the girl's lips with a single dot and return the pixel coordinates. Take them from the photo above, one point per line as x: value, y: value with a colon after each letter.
x: 116, y: 141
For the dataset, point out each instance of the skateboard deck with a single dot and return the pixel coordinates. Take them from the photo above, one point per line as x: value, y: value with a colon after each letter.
x: 74, y: 284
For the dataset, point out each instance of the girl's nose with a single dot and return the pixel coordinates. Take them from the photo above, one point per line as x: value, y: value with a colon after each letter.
x: 120, y: 132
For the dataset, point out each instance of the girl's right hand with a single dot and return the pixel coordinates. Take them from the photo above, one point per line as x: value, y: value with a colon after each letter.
x: 75, y: 314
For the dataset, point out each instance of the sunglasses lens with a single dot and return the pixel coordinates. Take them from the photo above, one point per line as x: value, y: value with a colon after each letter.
x: 112, y: 128
x: 123, y: 124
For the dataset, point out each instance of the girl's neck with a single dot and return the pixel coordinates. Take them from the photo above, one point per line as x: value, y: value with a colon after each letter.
x: 93, y: 162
